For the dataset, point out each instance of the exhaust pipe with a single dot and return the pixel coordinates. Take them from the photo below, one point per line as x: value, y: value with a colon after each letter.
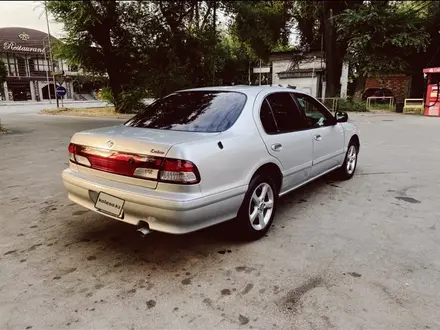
x: 144, y: 229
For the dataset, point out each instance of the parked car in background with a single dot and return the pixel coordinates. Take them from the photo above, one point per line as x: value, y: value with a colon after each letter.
x: 203, y: 156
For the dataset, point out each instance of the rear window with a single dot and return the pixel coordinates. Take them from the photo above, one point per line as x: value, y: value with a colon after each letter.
x: 198, y: 111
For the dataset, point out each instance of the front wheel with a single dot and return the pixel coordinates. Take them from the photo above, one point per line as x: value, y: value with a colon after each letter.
x: 347, y: 169
x: 258, y: 208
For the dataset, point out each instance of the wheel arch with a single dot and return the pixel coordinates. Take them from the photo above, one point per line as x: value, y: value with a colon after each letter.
x: 355, y: 139
x: 273, y: 171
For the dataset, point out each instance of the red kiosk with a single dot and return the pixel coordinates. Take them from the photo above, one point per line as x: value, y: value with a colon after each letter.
x: 432, y: 97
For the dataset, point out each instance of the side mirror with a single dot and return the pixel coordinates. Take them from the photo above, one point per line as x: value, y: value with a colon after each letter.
x: 341, y: 116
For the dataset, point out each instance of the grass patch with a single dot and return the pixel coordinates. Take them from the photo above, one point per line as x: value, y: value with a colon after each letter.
x: 351, y: 105
x: 86, y: 112
x: 2, y: 129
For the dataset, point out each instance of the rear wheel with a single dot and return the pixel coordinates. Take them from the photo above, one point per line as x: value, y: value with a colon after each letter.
x: 258, y: 209
x: 347, y: 169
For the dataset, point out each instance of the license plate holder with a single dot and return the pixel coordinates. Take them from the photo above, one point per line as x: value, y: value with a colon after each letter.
x: 109, y: 204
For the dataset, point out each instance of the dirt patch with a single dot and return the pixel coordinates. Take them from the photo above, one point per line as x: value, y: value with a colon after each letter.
x: 86, y: 112
x: 292, y: 298
x: 408, y: 199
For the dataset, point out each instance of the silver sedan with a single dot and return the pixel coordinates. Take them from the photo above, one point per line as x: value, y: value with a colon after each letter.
x: 202, y: 156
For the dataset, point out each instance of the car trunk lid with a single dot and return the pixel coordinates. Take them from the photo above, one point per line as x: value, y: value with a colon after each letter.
x: 113, y: 152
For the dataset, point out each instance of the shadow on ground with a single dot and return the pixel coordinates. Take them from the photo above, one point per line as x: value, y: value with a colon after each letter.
x: 112, y: 237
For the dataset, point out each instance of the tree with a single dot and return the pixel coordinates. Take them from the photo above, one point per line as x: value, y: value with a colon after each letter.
x: 184, y: 47
x: 380, y: 36
x: 98, y: 40
x: 261, y: 25
x: 232, y: 62
x: 429, y: 12
x: 157, y: 47
x: 318, y: 30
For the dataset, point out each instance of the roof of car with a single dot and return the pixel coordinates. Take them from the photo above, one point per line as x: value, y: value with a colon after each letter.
x: 246, y: 89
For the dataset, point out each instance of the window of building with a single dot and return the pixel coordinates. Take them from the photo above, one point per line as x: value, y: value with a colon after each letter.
x: 41, y: 65
x: 4, y: 61
x: 12, y: 67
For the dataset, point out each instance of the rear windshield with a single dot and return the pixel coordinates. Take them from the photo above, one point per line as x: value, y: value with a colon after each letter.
x: 197, y: 111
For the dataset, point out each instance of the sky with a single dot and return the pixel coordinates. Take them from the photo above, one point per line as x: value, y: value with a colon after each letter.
x: 28, y: 14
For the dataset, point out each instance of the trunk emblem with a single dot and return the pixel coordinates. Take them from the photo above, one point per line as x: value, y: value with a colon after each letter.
x: 110, y: 143
x: 155, y: 151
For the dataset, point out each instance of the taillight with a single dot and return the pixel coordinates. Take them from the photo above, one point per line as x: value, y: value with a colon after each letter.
x: 134, y: 165
x: 179, y: 171
x: 72, y: 148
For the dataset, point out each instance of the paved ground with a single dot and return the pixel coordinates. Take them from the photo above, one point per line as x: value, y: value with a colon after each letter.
x: 361, y: 254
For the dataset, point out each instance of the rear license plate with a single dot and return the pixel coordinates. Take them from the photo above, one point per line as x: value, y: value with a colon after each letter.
x: 109, y: 204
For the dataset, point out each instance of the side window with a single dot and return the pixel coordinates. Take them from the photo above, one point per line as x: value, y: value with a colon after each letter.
x: 267, y: 119
x: 316, y: 114
x: 286, y: 113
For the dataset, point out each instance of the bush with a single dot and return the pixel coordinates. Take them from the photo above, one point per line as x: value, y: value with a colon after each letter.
x: 106, y: 95
x: 131, y: 101
x: 349, y: 105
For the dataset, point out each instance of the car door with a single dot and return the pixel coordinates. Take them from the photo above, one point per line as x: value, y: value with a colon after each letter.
x: 328, y: 135
x: 286, y: 137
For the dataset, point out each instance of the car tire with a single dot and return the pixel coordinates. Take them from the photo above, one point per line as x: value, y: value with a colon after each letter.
x: 346, y: 171
x: 257, y: 212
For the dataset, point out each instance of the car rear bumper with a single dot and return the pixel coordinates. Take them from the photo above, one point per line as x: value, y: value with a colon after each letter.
x: 163, y: 211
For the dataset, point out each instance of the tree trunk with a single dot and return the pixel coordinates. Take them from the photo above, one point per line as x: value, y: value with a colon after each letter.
x: 331, y: 54
x: 359, y: 89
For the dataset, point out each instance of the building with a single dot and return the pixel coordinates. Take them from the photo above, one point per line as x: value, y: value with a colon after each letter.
x: 25, y: 53
x: 305, y: 72
x: 398, y: 84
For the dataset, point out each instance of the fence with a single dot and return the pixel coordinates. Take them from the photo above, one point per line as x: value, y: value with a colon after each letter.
x: 330, y: 103
x: 380, y: 103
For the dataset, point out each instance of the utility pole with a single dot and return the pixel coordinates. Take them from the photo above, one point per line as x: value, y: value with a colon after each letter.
x: 50, y: 54
x: 214, y: 42
x: 260, y: 75
x: 249, y: 72
x: 47, y: 72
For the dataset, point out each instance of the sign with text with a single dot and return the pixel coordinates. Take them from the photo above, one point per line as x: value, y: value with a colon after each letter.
x: 14, y: 47
x: 264, y: 69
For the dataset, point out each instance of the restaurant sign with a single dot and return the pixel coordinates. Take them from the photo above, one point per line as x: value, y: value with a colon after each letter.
x: 12, y: 46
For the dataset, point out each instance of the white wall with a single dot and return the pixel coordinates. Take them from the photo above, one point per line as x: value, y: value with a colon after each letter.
x: 307, y: 85
x: 283, y: 65
x: 277, y: 67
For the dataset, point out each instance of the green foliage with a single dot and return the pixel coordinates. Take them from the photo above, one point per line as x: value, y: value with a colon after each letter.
x: 99, y: 40
x: 308, y: 17
x: 163, y: 46
x: 261, y: 25
x: 233, y: 61
x: 379, y: 37
x: 351, y: 105
x: 133, y: 100
x: 106, y: 95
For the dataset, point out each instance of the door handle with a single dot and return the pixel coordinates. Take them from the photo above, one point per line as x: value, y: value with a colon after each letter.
x: 317, y: 137
x: 276, y: 146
